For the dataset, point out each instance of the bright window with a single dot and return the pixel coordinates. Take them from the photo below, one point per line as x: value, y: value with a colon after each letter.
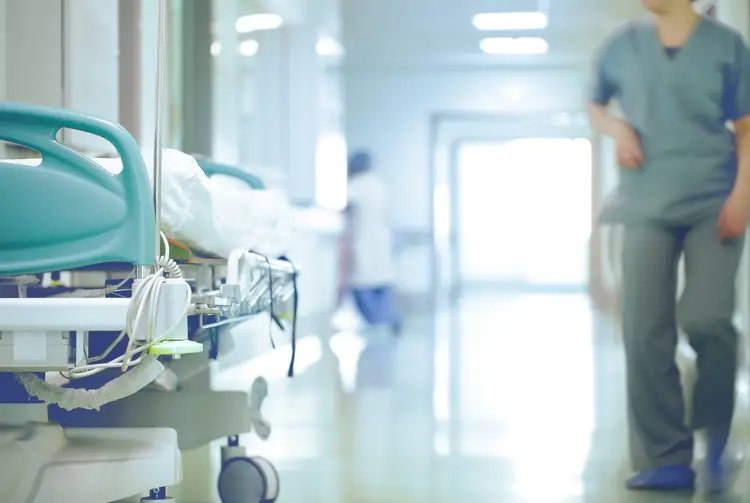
x: 524, y: 212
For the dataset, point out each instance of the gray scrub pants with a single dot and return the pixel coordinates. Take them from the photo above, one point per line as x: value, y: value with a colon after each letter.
x: 651, y: 314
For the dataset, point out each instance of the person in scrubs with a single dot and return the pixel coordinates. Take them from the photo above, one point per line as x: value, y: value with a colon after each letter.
x: 370, y: 273
x: 682, y: 139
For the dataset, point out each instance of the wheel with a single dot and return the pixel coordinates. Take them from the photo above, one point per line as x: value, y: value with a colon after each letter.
x: 248, y: 480
x: 272, y: 478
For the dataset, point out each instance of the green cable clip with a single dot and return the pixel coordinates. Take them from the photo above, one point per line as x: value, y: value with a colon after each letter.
x: 176, y: 348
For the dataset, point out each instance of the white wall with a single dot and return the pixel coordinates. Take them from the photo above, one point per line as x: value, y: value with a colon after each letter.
x: 272, y: 109
x: 147, y: 96
x: 91, y: 74
x: 34, y: 68
x: 63, y: 57
x: 388, y: 111
x: 736, y: 13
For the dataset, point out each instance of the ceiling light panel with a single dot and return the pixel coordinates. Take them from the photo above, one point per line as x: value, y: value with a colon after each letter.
x: 258, y: 22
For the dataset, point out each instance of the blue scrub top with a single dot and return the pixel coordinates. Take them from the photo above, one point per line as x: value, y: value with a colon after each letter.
x: 679, y: 103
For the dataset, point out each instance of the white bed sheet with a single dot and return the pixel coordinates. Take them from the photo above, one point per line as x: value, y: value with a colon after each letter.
x: 215, y: 215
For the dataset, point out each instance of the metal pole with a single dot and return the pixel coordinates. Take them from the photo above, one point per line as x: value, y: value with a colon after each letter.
x: 142, y: 271
x: 161, y: 53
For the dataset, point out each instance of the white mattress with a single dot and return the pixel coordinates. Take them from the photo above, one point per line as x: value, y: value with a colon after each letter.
x: 215, y: 215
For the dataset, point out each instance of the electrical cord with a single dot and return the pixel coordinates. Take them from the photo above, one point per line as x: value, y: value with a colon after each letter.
x: 272, y: 315
x: 275, y: 319
x: 147, y: 367
x: 144, y: 301
x: 295, y: 306
x: 90, y: 294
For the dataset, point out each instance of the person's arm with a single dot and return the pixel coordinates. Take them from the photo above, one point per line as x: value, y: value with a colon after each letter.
x: 738, y: 111
x: 602, y: 89
x: 603, y: 120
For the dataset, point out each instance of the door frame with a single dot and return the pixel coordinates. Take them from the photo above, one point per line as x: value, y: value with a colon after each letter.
x: 442, y: 146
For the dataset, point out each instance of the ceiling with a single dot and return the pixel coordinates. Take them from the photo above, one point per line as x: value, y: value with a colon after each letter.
x: 324, y: 14
x: 439, y: 32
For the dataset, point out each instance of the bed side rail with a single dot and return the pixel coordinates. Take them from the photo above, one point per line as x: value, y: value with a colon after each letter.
x: 69, y: 212
x: 211, y: 168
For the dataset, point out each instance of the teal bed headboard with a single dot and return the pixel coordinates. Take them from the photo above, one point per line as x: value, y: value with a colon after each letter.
x: 211, y: 168
x: 69, y: 212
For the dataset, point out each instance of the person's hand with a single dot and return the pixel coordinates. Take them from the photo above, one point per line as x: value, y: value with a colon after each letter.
x: 733, y: 217
x: 628, y: 147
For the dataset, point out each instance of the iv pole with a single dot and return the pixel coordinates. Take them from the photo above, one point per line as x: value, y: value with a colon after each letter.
x: 161, y: 50
x: 161, y: 42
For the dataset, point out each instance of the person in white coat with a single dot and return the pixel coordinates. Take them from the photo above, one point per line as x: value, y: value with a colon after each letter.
x: 370, y: 271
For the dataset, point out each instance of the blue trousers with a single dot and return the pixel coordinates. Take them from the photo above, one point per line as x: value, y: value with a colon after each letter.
x: 378, y: 306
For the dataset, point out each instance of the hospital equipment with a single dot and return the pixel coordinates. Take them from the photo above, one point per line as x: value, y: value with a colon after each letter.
x: 92, y: 291
x: 225, y: 293
x: 83, y: 234
x: 68, y: 214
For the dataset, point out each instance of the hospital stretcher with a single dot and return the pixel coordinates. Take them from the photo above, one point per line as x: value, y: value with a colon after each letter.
x: 69, y: 225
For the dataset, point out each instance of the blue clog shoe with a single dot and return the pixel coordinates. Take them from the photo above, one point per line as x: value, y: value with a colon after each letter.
x: 664, y: 478
x: 716, y: 476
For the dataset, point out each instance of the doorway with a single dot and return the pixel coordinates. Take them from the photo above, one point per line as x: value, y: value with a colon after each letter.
x: 523, y: 214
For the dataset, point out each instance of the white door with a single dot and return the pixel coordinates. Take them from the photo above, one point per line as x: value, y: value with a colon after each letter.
x: 524, y: 213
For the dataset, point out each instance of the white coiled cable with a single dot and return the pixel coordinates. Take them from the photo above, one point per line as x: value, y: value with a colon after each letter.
x: 85, y: 293
x: 149, y: 368
x: 145, y: 299
x: 93, y: 399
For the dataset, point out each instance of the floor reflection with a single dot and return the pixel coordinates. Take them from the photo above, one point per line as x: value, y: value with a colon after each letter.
x: 501, y: 398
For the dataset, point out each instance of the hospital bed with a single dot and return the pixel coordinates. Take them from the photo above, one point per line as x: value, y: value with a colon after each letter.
x: 93, y: 292
x: 73, y: 217
x: 226, y: 292
x: 68, y: 214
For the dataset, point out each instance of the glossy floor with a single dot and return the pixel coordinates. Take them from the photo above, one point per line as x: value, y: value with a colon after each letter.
x: 502, y: 398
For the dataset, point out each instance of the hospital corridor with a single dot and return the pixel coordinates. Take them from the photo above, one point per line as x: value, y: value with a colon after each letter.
x: 374, y: 251
x: 448, y: 412
x: 451, y: 411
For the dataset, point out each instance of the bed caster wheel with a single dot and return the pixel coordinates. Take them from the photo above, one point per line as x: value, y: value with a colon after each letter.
x: 248, y: 480
x: 158, y: 496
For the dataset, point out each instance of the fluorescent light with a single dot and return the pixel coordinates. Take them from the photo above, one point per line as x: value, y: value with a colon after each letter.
x: 520, y: 46
x: 258, y: 22
x: 328, y: 46
x: 248, y: 48
x: 215, y: 48
x: 499, y: 21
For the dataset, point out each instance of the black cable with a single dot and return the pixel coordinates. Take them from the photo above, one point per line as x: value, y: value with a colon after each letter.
x: 278, y: 323
x: 295, y: 305
x: 270, y: 298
